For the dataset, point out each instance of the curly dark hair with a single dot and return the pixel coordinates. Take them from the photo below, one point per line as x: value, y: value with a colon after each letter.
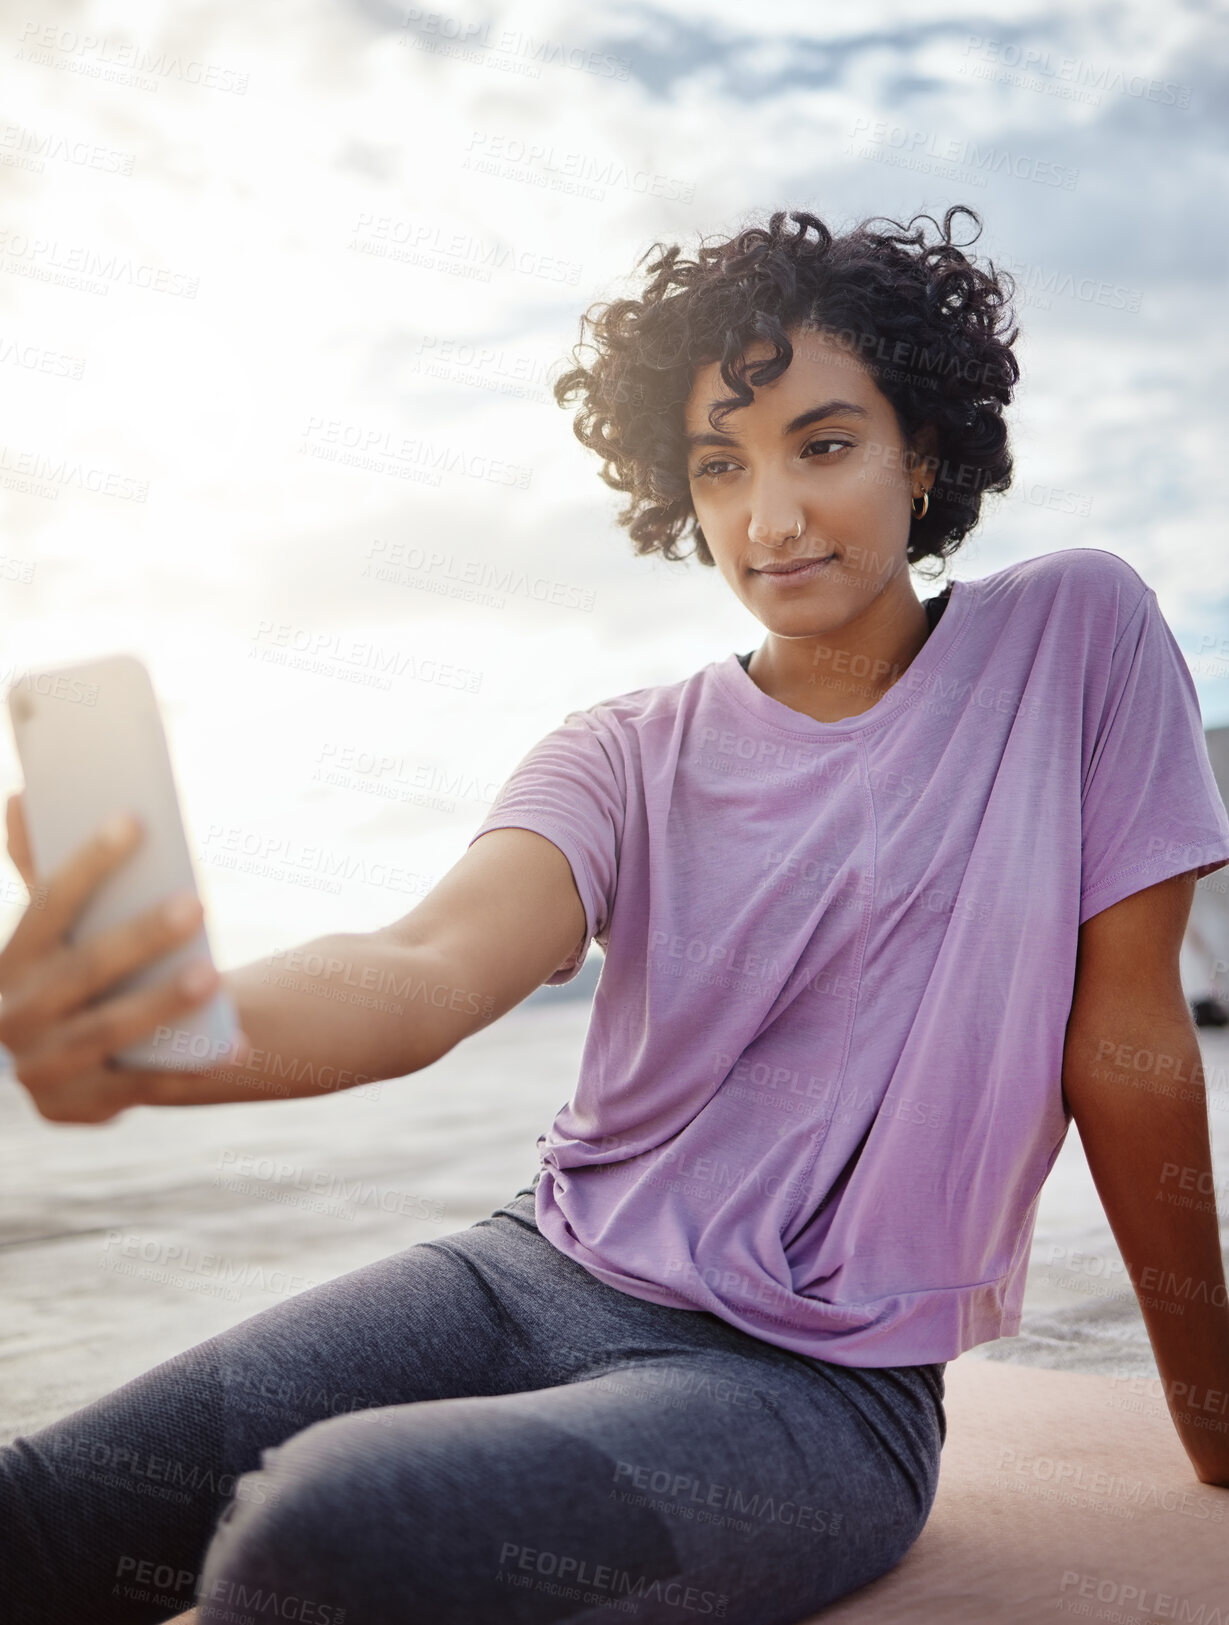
x: 928, y: 325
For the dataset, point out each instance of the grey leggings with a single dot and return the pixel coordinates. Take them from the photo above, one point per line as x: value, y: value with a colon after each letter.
x: 474, y: 1429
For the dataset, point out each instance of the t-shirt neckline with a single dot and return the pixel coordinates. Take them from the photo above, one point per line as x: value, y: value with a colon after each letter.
x: 928, y: 659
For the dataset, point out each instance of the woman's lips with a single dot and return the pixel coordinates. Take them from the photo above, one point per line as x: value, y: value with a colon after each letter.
x: 799, y: 571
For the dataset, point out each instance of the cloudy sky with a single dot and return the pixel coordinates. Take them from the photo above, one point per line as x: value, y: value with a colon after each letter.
x: 282, y: 290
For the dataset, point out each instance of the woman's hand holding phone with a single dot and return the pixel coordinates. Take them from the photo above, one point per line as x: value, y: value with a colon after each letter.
x: 54, y: 1018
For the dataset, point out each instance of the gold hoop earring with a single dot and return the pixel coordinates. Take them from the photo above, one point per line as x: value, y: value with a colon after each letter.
x: 920, y: 513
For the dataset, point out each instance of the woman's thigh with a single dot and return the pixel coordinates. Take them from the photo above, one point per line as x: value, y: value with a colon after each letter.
x: 742, y: 1485
x: 105, y: 1514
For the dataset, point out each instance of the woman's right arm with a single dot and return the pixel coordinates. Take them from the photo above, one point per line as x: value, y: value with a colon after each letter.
x: 333, y: 1013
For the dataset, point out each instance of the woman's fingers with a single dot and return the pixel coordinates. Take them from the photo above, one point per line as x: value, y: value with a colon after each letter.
x: 82, y: 1042
x: 61, y: 1017
x: 62, y: 894
x: 67, y: 976
x: 101, y: 1093
x: 95, y: 1096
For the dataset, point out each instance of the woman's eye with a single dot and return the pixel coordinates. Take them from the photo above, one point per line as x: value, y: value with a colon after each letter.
x: 714, y: 469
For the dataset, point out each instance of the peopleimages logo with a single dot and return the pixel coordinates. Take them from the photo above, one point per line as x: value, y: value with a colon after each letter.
x: 917, y: 147
x: 603, y: 1580
x: 101, y: 57
x: 47, y: 259
x: 1069, y: 78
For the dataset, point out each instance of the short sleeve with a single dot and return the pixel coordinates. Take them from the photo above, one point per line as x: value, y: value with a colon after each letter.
x: 1151, y: 807
x: 571, y: 788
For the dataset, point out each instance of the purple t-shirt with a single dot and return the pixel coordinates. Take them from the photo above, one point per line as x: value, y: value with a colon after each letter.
x: 821, y: 1086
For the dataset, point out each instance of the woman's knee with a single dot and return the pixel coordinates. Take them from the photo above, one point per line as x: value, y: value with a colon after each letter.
x: 365, y: 1514
x: 442, y: 1508
x: 282, y: 1545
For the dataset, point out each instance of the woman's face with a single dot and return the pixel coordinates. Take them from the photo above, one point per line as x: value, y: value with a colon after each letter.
x: 820, y: 447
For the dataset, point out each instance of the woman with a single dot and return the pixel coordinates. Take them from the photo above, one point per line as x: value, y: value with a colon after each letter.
x: 696, y: 1367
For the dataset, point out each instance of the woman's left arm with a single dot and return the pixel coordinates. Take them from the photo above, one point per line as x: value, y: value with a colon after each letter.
x: 1133, y: 1079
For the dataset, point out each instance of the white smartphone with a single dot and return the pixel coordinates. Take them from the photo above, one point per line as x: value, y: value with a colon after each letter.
x: 91, y: 743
